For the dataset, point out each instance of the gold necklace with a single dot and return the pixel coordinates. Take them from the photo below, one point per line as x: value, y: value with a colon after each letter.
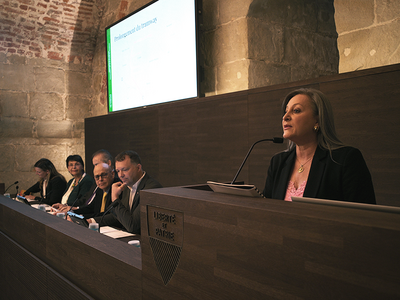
x: 301, y: 169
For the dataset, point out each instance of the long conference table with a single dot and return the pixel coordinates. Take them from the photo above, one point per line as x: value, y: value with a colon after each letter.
x: 197, y: 244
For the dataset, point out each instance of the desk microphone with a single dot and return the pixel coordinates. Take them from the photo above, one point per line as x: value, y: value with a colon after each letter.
x: 277, y: 140
x: 112, y: 205
x: 10, y: 186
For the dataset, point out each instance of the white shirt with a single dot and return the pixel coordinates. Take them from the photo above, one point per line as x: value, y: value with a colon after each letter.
x: 133, y: 190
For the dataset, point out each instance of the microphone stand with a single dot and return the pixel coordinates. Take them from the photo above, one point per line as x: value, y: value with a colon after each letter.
x: 10, y: 186
x: 275, y: 140
x: 114, y: 204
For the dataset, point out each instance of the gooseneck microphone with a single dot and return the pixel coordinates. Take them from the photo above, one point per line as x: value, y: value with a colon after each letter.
x: 277, y: 140
x: 10, y: 186
x: 114, y: 204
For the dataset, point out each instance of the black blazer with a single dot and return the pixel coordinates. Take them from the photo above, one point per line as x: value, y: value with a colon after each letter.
x: 122, y: 215
x: 93, y: 208
x: 345, y: 177
x: 54, y: 190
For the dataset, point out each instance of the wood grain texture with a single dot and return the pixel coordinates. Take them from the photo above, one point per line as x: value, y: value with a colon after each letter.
x: 247, y: 248
x: 192, y: 141
x: 67, y: 261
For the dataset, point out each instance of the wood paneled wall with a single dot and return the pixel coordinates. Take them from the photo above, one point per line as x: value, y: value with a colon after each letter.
x: 192, y: 141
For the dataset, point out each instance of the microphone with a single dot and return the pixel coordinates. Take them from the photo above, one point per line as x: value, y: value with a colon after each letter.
x: 277, y: 140
x: 112, y: 205
x: 10, y: 186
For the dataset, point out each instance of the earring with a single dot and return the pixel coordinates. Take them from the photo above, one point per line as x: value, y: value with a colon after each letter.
x: 316, y: 128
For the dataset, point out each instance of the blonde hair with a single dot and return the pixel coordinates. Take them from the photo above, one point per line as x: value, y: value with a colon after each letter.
x: 326, y: 134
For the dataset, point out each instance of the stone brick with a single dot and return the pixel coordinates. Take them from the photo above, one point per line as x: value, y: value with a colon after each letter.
x: 46, y: 63
x: 26, y: 157
x: 299, y: 48
x: 16, y: 127
x: 264, y: 74
x: 3, y: 58
x: 387, y: 10
x: 49, y: 80
x: 77, y: 149
x: 16, y: 59
x: 210, y: 15
x: 54, y: 129
x: 300, y: 73
x: 13, y: 104
x: 232, y: 76
x: 79, y: 83
x: 17, y: 78
x: 46, y: 106
x: 78, y: 107
x: 353, y: 14
x: 326, y: 18
x: 7, y: 158
x: 208, y: 84
x: 18, y: 141
x: 265, y: 41
x: 232, y: 10
x: 227, y: 44
x: 364, y: 49
x: 326, y: 55
x: 291, y: 13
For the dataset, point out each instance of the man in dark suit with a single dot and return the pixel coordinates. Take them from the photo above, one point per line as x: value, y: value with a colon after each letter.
x: 134, y: 179
x: 97, y: 200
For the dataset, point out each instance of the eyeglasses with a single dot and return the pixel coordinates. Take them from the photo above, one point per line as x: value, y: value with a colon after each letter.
x: 102, y: 175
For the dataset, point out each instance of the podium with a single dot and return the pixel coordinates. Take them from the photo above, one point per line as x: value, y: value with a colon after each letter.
x: 197, y: 244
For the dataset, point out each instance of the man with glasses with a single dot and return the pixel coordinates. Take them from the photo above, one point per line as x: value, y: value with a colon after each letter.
x: 88, y: 205
x: 100, y: 198
x: 127, y: 193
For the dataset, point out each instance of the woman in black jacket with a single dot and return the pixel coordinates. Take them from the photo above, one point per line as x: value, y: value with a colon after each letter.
x: 51, y: 184
x: 316, y: 164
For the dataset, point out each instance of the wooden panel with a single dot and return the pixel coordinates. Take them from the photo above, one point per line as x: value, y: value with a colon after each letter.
x: 192, y: 141
x: 133, y: 130
x: 93, y: 263
x: 247, y: 248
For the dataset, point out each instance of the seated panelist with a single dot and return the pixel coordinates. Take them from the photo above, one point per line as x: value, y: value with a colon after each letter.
x: 100, y: 156
x: 134, y: 179
x: 316, y: 163
x: 51, y: 184
x: 100, y: 198
x: 81, y: 182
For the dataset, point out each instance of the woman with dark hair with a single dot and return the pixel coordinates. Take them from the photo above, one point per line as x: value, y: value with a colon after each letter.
x: 80, y: 184
x: 51, y: 184
x: 316, y: 164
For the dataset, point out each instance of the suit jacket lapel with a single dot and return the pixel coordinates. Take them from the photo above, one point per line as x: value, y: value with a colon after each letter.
x: 316, y: 173
x: 140, y: 187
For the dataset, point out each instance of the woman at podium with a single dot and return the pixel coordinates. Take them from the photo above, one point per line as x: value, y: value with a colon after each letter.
x: 316, y: 163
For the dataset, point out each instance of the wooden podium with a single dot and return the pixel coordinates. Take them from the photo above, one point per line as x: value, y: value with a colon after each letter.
x: 197, y: 244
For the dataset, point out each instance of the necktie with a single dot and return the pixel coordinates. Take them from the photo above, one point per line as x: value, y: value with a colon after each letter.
x: 103, y: 203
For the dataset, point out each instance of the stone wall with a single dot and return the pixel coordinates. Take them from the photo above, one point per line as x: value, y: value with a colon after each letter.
x: 46, y: 54
x: 369, y: 33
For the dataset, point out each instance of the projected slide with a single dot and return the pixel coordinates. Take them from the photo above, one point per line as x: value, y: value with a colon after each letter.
x: 151, y: 56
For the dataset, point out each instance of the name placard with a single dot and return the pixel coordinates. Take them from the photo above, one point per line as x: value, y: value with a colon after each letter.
x: 165, y: 224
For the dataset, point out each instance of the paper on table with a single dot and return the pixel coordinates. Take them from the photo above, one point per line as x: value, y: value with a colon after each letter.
x: 114, y: 233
